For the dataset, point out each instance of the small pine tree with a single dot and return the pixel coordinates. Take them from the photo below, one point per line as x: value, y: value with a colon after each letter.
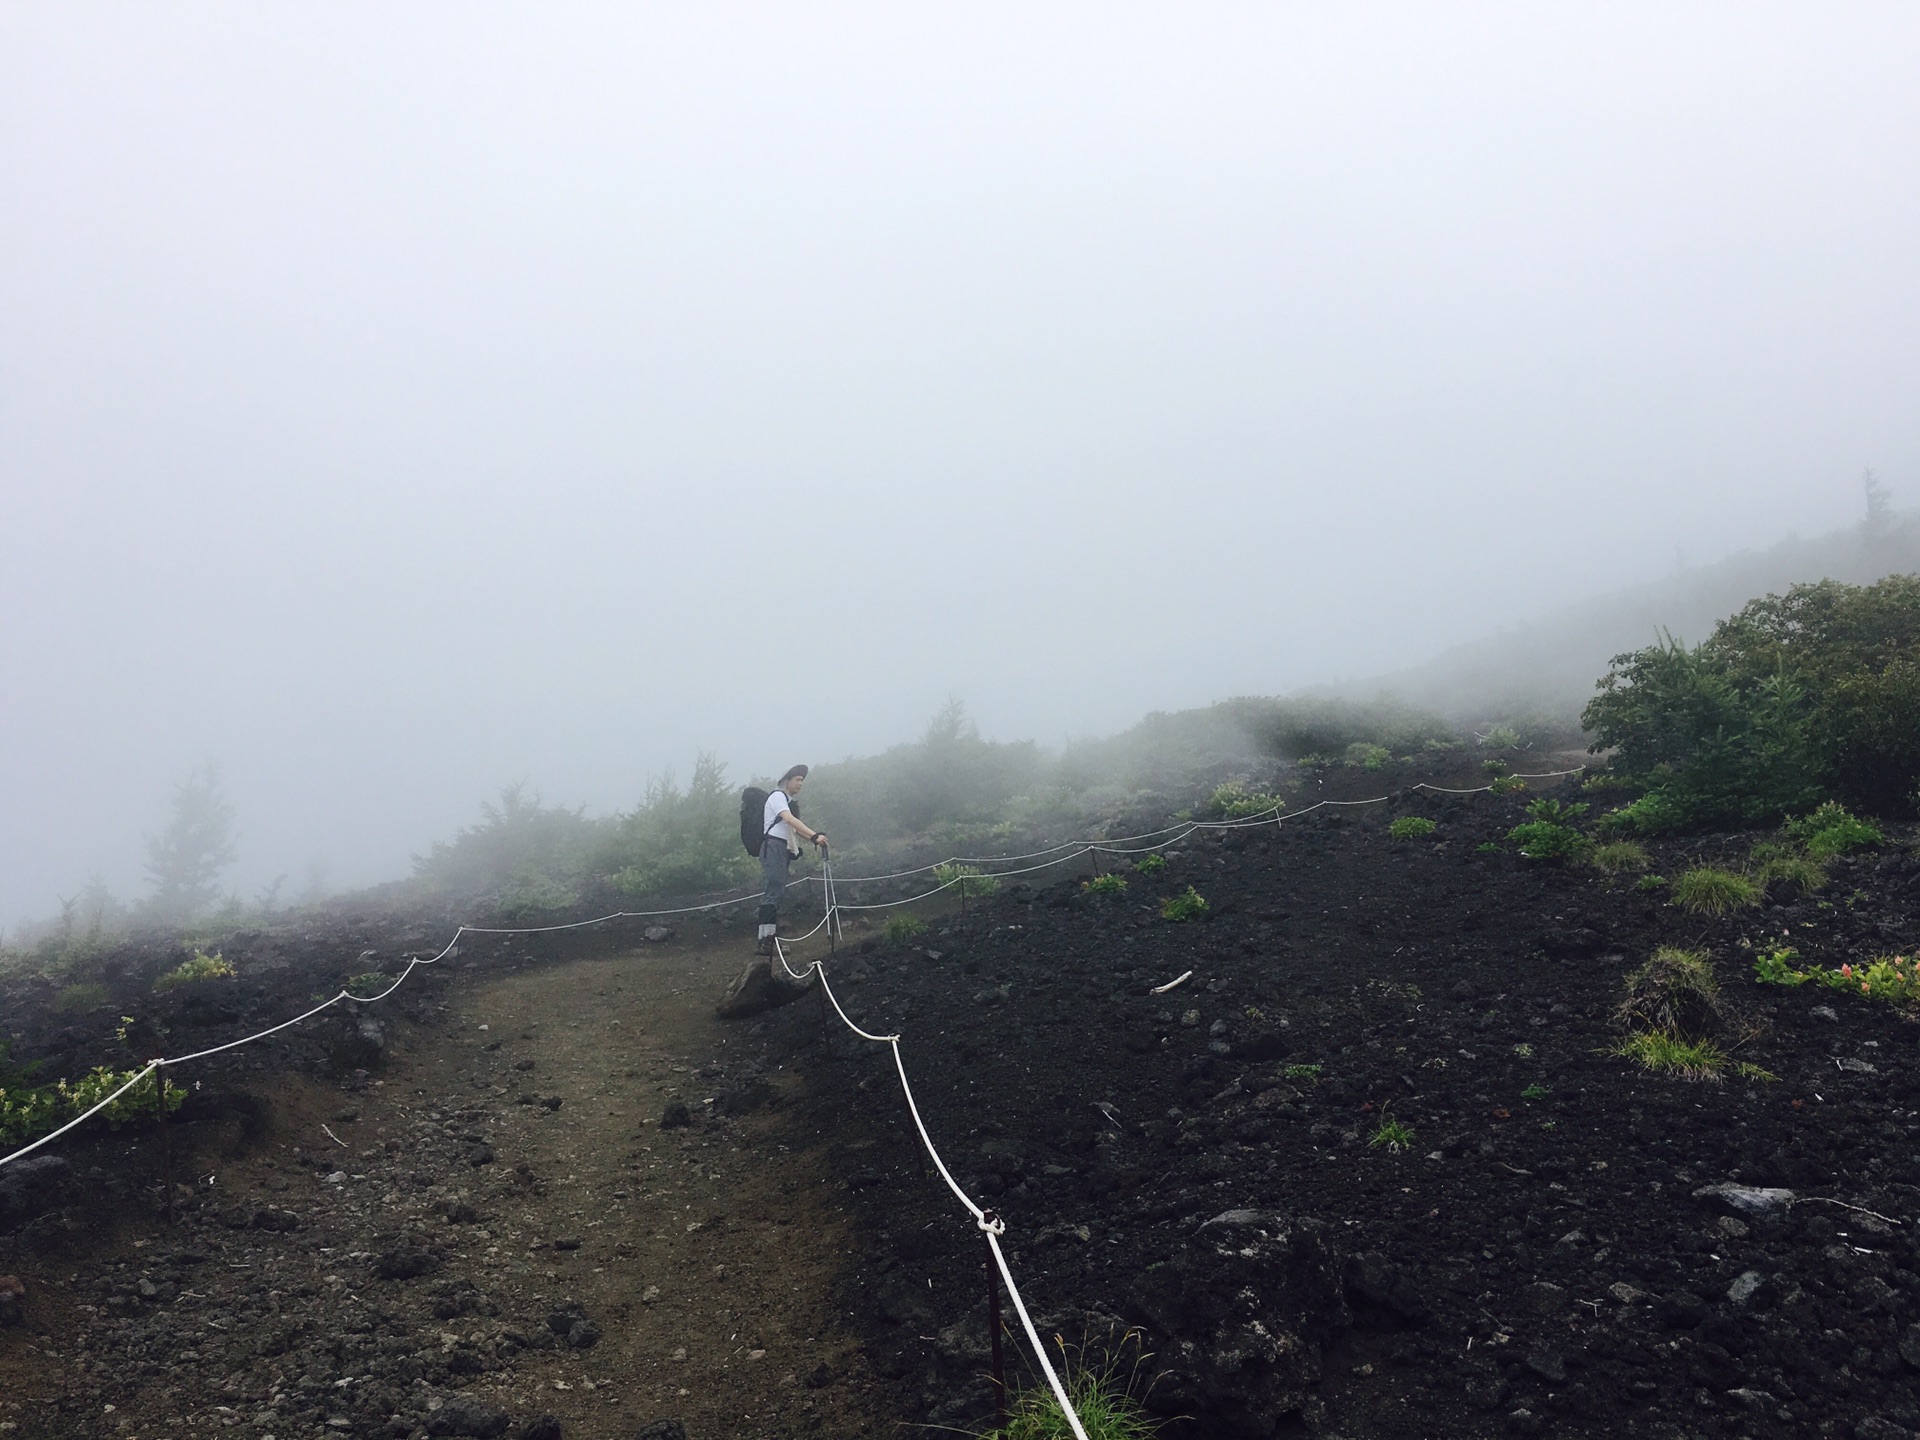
x: 185, y: 860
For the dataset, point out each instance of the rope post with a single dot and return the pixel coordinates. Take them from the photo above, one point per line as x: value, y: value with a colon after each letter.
x: 166, y: 1141
x: 993, y: 1321
x: 1093, y: 854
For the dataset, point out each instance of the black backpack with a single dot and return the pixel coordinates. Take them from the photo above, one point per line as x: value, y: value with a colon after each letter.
x: 753, y: 816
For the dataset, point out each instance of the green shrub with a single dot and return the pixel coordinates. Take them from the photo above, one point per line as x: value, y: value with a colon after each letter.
x: 1233, y: 801
x: 902, y: 928
x: 1496, y: 768
x: 1535, y: 1091
x: 1797, y: 698
x: 1411, y: 827
x: 27, y: 1113
x: 1651, y: 882
x: 965, y: 880
x: 1150, y: 864
x: 1105, y: 885
x: 201, y: 967
x: 1618, y: 857
x: 1368, y: 757
x: 1548, y: 833
x: 1831, y: 830
x: 1892, y: 978
x: 1507, y: 785
x: 1709, y: 890
x: 1189, y: 904
x: 1309, y: 1073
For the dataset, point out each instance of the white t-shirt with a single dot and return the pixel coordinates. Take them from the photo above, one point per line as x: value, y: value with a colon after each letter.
x: 770, y: 821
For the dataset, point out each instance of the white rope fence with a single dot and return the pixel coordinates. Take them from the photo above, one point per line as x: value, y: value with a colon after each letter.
x: 1079, y: 848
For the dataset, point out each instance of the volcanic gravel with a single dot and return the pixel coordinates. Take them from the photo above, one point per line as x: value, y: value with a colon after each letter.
x: 1540, y: 1259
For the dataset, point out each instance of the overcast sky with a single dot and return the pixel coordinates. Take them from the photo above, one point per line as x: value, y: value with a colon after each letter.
x: 396, y: 401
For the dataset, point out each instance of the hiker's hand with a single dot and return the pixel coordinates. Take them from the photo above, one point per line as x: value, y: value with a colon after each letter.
x: 820, y: 839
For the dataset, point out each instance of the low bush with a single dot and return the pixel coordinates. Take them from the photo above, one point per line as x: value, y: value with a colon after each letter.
x: 1302, y: 1072
x: 1548, y: 833
x: 27, y: 1113
x: 1708, y: 890
x: 201, y: 967
x: 1507, y: 785
x: 1831, y: 830
x: 1233, y: 801
x: 1150, y: 864
x: 1892, y: 978
x: 1411, y: 827
x: 902, y: 928
x: 1189, y: 904
x: 965, y: 880
x: 1368, y: 757
x: 77, y: 999
x: 1105, y: 885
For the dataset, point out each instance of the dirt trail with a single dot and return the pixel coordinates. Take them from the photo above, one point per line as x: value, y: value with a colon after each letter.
x: 513, y: 1140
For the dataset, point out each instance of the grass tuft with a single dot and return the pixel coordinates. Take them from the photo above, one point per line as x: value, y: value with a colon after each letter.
x: 1709, y: 890
x: 1619, y: 857
x: 1670, y: 1055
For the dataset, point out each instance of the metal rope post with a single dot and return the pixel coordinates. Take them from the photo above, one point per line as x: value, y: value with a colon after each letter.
x: 993, y: 1322
x: 166, y: 1140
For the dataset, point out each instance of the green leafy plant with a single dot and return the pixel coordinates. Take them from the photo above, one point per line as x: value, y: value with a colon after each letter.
x: 1709, y: 890
x: 1495, y: 768
x: 902, y: 928
x: 200, y: 968
x: 965, y: 880
x: 1535, y: 1091
x: 369, y: 983
x: 1651, y: 882
x: 1490, y: 847
x: 1189, y: 904
x: 1831, y: 830
x: 1393, y: 1135
x: 1368, y: 757
x: 1523, y: 1050
x: 1105, y: 885
x: 1233, y: 801
x: 28, y: 1112
x: 1892, y: 978
x: 1411, y: 827
x: 1618, y: 857
x: 1548, y: 832
x: 1302, y: 1072
x: 1507, y: 785
x: 1773, y: 860
x: 77, y: 999
x: 1150, y: 864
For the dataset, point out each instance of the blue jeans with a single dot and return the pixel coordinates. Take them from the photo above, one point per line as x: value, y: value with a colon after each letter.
x: 774, y: 861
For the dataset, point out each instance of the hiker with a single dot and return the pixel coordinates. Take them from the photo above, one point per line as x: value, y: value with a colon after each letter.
x: 781, y: 832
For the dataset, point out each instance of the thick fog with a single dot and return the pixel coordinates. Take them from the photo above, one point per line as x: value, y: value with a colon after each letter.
x: 400, y: 401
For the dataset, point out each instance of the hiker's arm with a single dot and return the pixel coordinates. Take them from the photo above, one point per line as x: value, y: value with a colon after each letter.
x: 800, y: 828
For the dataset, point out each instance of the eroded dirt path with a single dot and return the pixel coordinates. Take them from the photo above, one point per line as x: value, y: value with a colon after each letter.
x: 505, y: 1177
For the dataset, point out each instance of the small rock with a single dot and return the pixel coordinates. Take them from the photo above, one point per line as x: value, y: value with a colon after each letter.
x: 1464, y: 990
x: 546, y: 1427
x: 1548, y: 1364
x: 1732, y: 1228
x: 994, y: 996
x: 1682, y: 1310
x: 468, y: 1415
x: 675, y: 1116
x: 1747, y: 1200
x: 523, y: 1064
x: 1190, y: 1019
x: 1909, y: 1342
x: 662, y: 1430
x: 657, y: 934
x: 1856, y: 1067
x: 1746, y: 1285
x: 1543, y: 1297
x: 1626, y: 1294
x: 1825, y: 1012
x: 567, y: 1242
x: 552, y: 1102
x: 1752, y: 1399
x: 583, y: 1335
x: 406, y: 1262
x: 481, y: 1154
x: 820, y: 1376
x: 13, y: 1295
x: 1875, y: 1427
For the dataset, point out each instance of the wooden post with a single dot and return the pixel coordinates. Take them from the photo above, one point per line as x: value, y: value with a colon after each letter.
x: 166, y: 1141
x: 993, y: 1320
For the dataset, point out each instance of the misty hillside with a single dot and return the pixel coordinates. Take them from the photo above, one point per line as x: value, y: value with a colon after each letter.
x: 1547, y: 666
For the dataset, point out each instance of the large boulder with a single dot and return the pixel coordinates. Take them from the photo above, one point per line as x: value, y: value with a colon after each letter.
x: 756, y: 990
x: 1237, y: 1315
